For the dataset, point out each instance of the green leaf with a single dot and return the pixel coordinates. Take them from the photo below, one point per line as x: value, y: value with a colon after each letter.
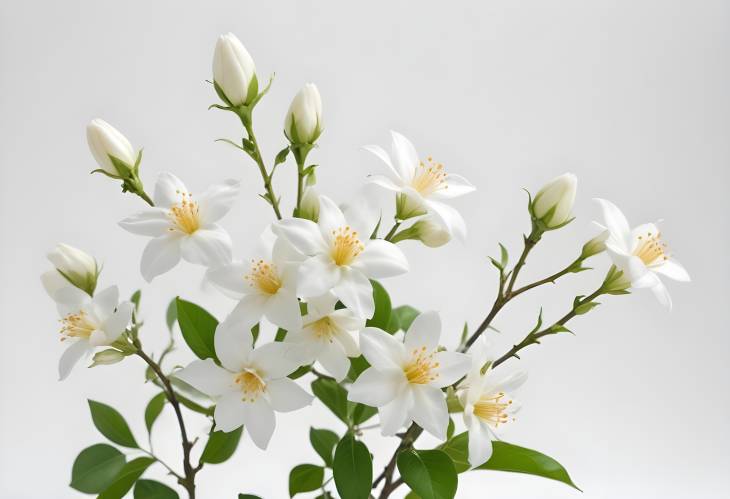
x: 153, y: 410
x: 281, y: 156
x: 301, y: 371
x: 429, y: 473
x: 401, y: 318
x: 248, y: 496
x: 383, y: 308
x: 150, y: 489
x: 305, y: 478
x: 221, y: 446
x: 507, y: 457
x: 124, y: 481
x: 95, y: 468
x: 333, y: 396
x: 324, y: 441
x: 353, y: 469
x: 357, y: 366
x: 171, y: 314
x: 136, y: 296
x: 359, y: 413
x: 280, y: 334
x: 111, y: 424
x: 198, y: 328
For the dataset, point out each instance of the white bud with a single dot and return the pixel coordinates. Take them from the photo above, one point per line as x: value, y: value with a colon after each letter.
x: 431, y: 233
x: 303, y: 123
x: 553, y: 204
x: 595, y: 246
x: 234, y: 70
x: 309, y: 207
x: 78, y: 267
x: 105, y: 141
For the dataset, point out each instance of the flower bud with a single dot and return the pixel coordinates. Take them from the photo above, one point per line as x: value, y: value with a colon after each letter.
x: 303, y: 123
x: 106, y: 142
x: 594, y: 246
x: 616, y: 282
x: 107, y: 357
x: 309, y: 207
x: 78, y: 267
x: 431, y: 233
x: 553, y: 204
x: 234, y: 72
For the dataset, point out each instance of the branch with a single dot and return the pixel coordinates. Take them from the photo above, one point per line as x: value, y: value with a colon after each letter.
x: 255, y: 154
x: 407, y: 439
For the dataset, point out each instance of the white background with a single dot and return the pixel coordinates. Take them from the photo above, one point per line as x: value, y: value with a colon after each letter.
x: 632, y: 96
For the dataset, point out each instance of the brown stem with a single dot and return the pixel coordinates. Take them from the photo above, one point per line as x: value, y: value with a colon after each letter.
x: 407, y: 439
x: 188, y: 481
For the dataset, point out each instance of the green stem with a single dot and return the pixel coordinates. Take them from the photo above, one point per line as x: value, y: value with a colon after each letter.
x: 256, y: 156
x: 301, y: 158
x: 392, y: 231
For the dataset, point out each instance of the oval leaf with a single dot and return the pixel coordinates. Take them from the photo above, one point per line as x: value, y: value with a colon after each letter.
x: 333, y: 396
x: 125, y: 479
x: 95, y: 468
x: 353, y: 469
x: 401, y: 318
x: 324, y: 441
x: 111, y: 424
x: 153, y: 410
x: 150, y: 489
x: 429, y: 473
x: 383, y: 307
x: 305, y: 478
x: 197, y: 327
x: 221, y: 446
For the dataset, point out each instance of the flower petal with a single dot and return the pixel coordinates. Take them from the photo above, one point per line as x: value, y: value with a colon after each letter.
x: 304, y: 235
x: 168, y: 189
x: 662, y: 294
x: 356, y: 292
x: 160, y: 255
x: 385, y: 182
x: 449, y: 218
x: 381, y: 259
x: 106, y: 301
x: 334, y: 360
x: 53, y: 282
x: 70, y: 300
x: 71, y: 356
x: 275, y: 360
x: 640, y: 234
x: 384, y: 157
x: 230, y: 279
x: 152, y: 222
x: 217, y: 200
x: 233, y: 344
x: 249, y: 310
x: 616, y: 222
x: 207, y: 377
x: 452, y: 367
x: 377, y: 387
x: 349, y: 344
x: 210, y: 246
x: 480, y: 442
x: 260, y: 421
x: 672, y: 269
x: 404, y: 156
x: 512, y: 382
x: 381, y: 350
x: 282, y: 309
x: 457, y: 186
x: 286, y: 396
x: 115, y: 325
x: 429, y: 410
x: 394, y: 414
x: 230, y: 412
x: 330, y: 217
x: 425, y: 331
x: 317, y: 276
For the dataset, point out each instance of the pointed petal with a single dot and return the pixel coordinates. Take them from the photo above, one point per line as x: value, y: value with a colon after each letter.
x: 317, y: 276
x: 210, y: 246
x: 672, y: 269
x: 106, y: 301
x: 286, y: 396
x: 230, y: 279
x: 330, y: 217
x: 449, y: 218
x: 275, y: 360
x: 115, y: 325
x: 616, y: 222
x: 404, y: 156
x: 249, y: 310
x: 425, y: 331
x: 260, y: 421
x: 394, y: 415
x: 207, y: 377
x: 217, y: 200
x: 384, y: 157
x: 356, y: 292
x: 512, y: 382
x: 333, y: 359
x: 381, y: 350
x: 377, y: 387
x: 160, y: 255
x: 662, y: 294
x: 349, y: 343
x: 71, y: 356
x: 230, y: 412
x: 282, y: 309
x: 152, y: 222
x: 168, y: 189
x: 452, y: 366
x: 385, y: 182
x: 480, y: 442
x: 429, y: 410
x: 457, y: 186
x: 304, y: 235
x: 381, y: 259
x: 233, y: 344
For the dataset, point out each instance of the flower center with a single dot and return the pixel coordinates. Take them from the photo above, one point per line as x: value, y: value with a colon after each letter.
x: 651, y: 248
x: 78, y: 325
x: 345, y: 246
x: 429, y: 178
x: 323, y: 329
x: 420, y: 369
x: 185, y: 214
x: 264, y: 276
x: 251, y: 385
x: 492, y: 409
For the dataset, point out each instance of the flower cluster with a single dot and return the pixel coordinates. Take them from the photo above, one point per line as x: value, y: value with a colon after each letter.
x: 313, y: 276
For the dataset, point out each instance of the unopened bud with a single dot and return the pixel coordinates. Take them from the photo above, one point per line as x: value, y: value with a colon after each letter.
x: 553, y: 204
x: 431, y: 233
x: 78, y: 267
x: 594, y: 246
x: 234, y: 72
x: 107, y: 357
x: 309, y: 207
x: 303, y: 123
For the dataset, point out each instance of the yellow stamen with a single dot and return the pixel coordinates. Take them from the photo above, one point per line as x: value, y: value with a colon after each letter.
x: 264, y: 276
x: 651, y: 249
x: 491, y: 409
x: 345, y: 246
x: 185, y: 214
x: 78, y: 325
x: 429, y: 178
x: 251, y: 385
x: 324, y: 329
x: 420, y: 369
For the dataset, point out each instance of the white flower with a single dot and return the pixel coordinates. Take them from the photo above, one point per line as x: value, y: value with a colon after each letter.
x: 422, y: 186
x: 181, y: 225
x: 328, y: 335
x: 640, y: 253
x: 487, y: 403
x: 406, y: 379
x: 553, y: 204
x: 89, y: 322
x: 303, y: 123
x: 73, y: 266
x: 106, y: 142
x: 266, y: 285
x: 431, y: 233
x: 250, y: 385
x: 234, y: 70
x: 341, y: 256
